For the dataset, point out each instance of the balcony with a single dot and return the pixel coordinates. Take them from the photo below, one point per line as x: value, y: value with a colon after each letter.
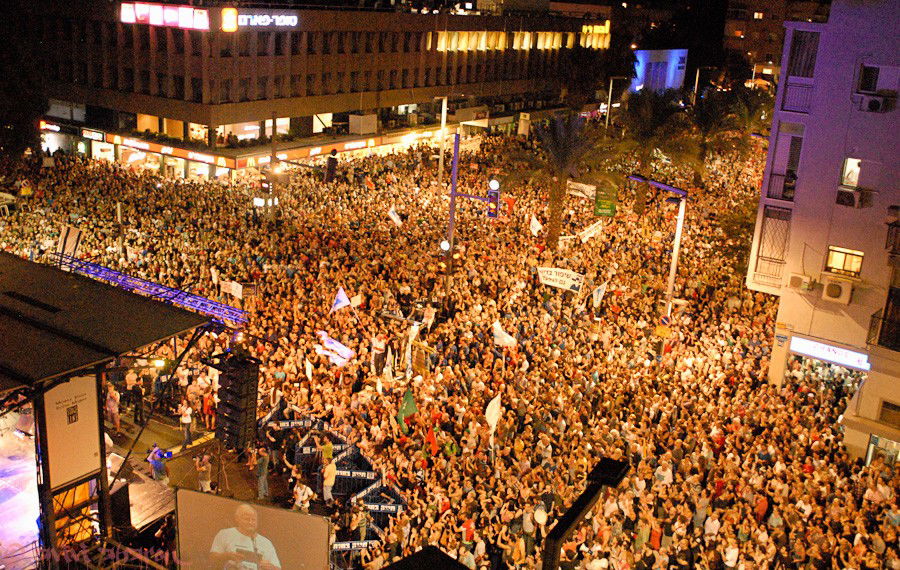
x: 884, y: 332
x: 768, y: 272
x: 782, y: 186
x: 797, y: 94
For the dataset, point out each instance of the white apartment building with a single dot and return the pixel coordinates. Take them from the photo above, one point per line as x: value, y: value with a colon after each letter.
x: 827, y: 237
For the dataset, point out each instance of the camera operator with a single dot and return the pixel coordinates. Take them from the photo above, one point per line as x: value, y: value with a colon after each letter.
x: 204, y: 472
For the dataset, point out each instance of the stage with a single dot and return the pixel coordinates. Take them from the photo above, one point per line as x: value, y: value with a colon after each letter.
x: 19, y: 508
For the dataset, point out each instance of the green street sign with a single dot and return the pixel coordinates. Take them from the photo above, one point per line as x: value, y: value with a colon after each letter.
x: 605, y: 202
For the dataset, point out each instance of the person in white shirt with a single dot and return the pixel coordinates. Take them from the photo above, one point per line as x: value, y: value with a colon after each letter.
x: 302, y: 496
x: 241, y: 547
x: 186, y: 412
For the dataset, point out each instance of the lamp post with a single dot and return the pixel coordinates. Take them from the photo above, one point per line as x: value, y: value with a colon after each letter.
x: 609, y: 98
x: 681, y: 198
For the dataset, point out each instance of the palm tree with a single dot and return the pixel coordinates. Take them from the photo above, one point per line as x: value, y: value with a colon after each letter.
x: 566, y: 146
x: 655, y: 127
x: 715, y: 122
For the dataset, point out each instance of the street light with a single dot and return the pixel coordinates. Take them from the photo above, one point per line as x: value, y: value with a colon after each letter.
x: 681, y: 198
x: 494, y: 184
x: 609, y: 98
x: 443, y: 131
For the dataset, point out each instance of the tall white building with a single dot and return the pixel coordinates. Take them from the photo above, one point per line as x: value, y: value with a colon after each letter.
x: 827, y: 237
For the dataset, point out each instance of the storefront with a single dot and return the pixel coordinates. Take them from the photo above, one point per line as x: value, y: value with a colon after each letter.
x: 884, y: 448
x: 166, y: 160
x: 795, y: 356
x: 58, y: 137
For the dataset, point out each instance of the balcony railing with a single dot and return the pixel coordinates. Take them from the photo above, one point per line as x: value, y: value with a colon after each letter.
x: 768, y: 271
x: 884, y: 332
x: 797, y: 95
x: 782, y: 186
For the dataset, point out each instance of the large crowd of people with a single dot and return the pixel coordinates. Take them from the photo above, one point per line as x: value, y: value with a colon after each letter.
x: 727, y: 470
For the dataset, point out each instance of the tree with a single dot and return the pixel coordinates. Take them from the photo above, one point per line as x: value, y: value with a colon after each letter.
x: 655, y: 127
x: 565, y: 153
x: 714, y: 118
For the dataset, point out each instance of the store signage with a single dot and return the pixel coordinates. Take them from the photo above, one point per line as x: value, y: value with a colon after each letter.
x: 184, y: 17
x: 830, y: 353
x: 221, y: 161
x: 92, y: 135
x: 45, y: 126
x: 234, y: 19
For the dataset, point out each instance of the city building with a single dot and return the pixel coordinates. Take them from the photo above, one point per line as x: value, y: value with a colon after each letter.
x: 184, y: 88
x: 754, y: 30
x: 827, y: 237
x: 659, y: 69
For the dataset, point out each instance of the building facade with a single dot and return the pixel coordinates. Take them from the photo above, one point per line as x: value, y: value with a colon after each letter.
x: 827, y: 237
x: 754, y: 30
x: 217, y: 74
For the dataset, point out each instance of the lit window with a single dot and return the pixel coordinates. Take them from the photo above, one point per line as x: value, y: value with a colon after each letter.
x: 844, y: 261
x: 757, y: 15
x: 868, y: 79
x: 850, y: 172
x: 739, y: 33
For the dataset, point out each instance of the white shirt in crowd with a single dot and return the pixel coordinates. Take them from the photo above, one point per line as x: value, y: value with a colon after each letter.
x: 232, y: 540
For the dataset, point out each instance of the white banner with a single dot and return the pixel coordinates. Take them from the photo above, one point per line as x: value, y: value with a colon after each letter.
x: 73, y: 430
x: 590, y: 231
x: 535, y: 226
x: 581, y: 190
x: 562, y: 278
x: 69, y: 240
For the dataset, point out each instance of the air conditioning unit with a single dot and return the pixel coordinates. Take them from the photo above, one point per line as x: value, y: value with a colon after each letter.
x: 873, y: 103
x: 849, y: 196
x: 800, y: 282
x: 837, y: 290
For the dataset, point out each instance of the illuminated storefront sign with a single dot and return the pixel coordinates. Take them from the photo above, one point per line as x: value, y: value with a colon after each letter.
x: 233, y: 19
x: 45, y: 126
x: 92, y: 135
x: 219, y: 161
x: 830, y: 353
x: 185, y: 17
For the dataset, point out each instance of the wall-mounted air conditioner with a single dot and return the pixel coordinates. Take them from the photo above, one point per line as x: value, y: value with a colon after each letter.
x: 874, y: 103
x: 800, y: 282
x: 837, y: 290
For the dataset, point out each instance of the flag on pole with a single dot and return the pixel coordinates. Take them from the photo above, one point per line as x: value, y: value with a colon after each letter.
x: 535, y: 226
x: 356, y: 300
x: 598, y: 294
x: 395, y: 217
x: 378, y: 386
x: 432, y: 440
x: 309, y: 369
x: 388, y: 371
x: 492, y: 415
x: 340, y: 300
x: 407, y: 410
x: 501, y: 337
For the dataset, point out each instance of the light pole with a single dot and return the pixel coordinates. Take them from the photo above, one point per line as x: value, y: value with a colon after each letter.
x: 609, y: 98
x: 681, y: 198
x: 697, y: 82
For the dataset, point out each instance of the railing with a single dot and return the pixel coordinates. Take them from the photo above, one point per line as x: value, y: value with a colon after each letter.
x: 768, y: 271
x: 797, y: 95
x: 782, y: 186
x: 884, y: 332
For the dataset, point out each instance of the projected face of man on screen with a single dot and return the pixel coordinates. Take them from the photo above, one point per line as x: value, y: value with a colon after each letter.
x: 241, y: 547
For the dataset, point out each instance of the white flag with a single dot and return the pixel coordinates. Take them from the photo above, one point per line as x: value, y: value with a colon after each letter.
x: 215, y: 275
x: 598, y: 294
x: 492, y: 415
x: 501, y: 337
x: 356, y: 300
x: 309, y: 369
x: 536, y: 226
x: 395, y: 217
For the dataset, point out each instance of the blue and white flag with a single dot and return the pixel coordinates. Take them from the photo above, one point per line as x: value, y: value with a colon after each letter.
x: 337, y: 353
x: 395, y: 217
x: 341, y: 300
x: 598, y: 294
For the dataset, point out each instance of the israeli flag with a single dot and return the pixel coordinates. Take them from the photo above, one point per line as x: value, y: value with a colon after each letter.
x: 337, y: 353
x: 341, y: 300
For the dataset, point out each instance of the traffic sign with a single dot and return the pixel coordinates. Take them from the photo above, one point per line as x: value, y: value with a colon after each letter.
x: 665, y: 319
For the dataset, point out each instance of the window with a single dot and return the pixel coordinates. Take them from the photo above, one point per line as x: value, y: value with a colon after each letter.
x: 279, y: 86
x: 739, y: 33
x: 340, y: 42
x: 225, y: 91
x: 262, y: 87
x: 850, y: 172
x: 802, y: 59
x: 262, y: 43
x: 326, y: 43
x: 196, y: 42
x: 295, y: 43
x: 178, y: 41
x: 868, y: 79
x: 339, y: 82
x: 310, y: 43
x: 354, y: 81
x: 144, y: 81
x: 244, y: 43
x: 244, y: 89
x: 310, y: 84
x: 296, y: 86
x: 279, y: 43
x: 757, y: 15
x: 161, y: 40
x: 890, y: 414
x: 196, y: 90
x: 178, y: 86
x: 773, y: 240
x: 843, y: 261
x: 225, y: 47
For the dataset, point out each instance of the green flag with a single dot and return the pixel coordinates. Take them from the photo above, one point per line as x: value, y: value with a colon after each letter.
x: 407, y: 409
